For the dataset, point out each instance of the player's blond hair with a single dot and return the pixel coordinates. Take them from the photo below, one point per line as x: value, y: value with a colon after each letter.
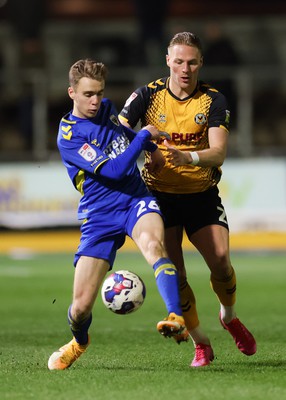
x: 87, y: 69
x: 186, y: 38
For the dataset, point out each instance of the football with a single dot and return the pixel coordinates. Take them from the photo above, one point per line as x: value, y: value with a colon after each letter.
x: 123, y: 292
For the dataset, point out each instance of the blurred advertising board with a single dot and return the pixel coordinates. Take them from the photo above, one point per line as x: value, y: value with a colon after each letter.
x: 36, y: 195
x: 40, y: 195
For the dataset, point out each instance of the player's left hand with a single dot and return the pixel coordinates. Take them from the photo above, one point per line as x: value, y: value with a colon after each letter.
x: 175, y: 156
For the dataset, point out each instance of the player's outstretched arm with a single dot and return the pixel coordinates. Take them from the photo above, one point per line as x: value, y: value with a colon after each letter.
x: 117, y: 168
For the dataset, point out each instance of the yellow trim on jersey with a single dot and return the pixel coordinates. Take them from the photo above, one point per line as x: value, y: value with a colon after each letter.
x: 80, y: 178
x: 211, y: 89
x: 154, y: 84
x: 224, y: 128
x: 68, y: 121
x: 68, y: 130
x: 96, y: 168
x: 122, y: 118
x: 79, y: 181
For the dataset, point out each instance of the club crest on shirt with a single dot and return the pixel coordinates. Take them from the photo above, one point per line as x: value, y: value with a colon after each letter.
x: 87, y: 152
x: 162, y: 118
x: 200, y: 119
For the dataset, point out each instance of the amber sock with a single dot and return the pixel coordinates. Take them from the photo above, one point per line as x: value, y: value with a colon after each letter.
x: 188, y: 303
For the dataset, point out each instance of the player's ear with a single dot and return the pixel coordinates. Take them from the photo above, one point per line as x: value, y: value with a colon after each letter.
x: 71, y: 92
x: 201, y: 61
x: 168, y: 60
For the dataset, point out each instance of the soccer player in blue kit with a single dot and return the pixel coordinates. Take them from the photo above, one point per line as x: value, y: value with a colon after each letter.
x: 100, y: 156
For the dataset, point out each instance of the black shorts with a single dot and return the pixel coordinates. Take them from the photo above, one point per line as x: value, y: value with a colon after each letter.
x: 192, y: 211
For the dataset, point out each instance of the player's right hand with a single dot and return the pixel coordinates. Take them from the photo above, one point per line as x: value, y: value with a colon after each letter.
x: 155, y: 134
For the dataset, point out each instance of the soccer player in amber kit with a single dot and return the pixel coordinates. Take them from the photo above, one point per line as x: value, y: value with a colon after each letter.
x: 100, y: 156
x: 196, y: 117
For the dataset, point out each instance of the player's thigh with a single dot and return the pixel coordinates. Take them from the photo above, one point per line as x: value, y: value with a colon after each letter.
x: 148, y: 227
x: 212, y: 241
x: 89, y: 274
x: 148, y: 234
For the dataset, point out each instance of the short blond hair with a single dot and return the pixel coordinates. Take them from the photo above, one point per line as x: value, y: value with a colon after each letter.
x: 188, y: 39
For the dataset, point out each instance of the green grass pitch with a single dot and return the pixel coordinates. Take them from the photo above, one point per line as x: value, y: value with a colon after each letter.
x: 127, y: 358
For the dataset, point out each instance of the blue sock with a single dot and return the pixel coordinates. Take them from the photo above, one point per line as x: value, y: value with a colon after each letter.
x: 79, y: 329
x: 168, y: 284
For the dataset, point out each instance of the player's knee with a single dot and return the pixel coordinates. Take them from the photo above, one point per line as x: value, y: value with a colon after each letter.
x: 220, y: 263
x: 154, y: 250
x: 221, y: 254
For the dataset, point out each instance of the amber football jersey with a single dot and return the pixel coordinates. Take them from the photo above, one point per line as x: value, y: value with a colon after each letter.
x: 187, y: 122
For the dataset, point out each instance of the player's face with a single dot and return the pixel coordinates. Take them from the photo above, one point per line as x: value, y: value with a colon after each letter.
x: 87, y: 97
x: 185, y: 63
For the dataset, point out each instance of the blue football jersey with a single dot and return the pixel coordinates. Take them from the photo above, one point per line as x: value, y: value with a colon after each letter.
x: 84, y: 145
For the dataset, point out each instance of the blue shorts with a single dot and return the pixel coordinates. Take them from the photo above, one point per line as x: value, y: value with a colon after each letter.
x: 103, y: 234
